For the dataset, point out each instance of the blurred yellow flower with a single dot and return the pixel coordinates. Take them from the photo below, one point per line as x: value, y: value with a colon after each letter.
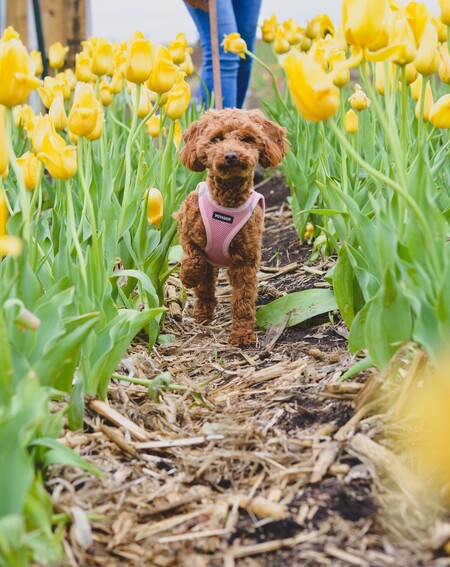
x: 22, y: 114
x: 153, y: 125
x: 83, y: 71
x: 309, y: 232
x: 102, y: 56
x: 319, y: 27
x: 351, y: 121
x: 106, y: 93
x: 401, y: 40
x: 59, y: 158
x: 3, y: 142
x: 312, y: 90
x: 292, y: 31
x: 36, y: 61
x: 86, y: 114
x: 336, y: 60
x: 40, y: 126
x: 57, y: 113
x: 29, y: 166
x: 177, y: 134
x: 428, y: 103
x: 187, y: 66
x: 145, y: 103
x: 281, y: 44
x: 178, y: 48
x: 139, y: 60
x: 164, y: 72
x: 9, y: 33
x: 444, y: 65
x: 17, y: 78
x: 57, y: 55
x: 268, y: 28
x: 233, y: 42
x: 363, y: 20
x: 411, y: 73
x: 359, y: 100
x: 155, y: 207
x: 417, y: 16
x: 9, y: 245
x: 427, y: 57
x: 416, y: 88
x: 178, y: 100
x: 440, y: 112
x: 445, y: 11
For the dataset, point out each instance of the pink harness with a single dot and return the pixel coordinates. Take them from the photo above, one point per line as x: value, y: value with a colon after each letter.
x: 223, y: 223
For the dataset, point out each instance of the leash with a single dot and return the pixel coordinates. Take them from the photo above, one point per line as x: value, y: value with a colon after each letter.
x: 215, y: 53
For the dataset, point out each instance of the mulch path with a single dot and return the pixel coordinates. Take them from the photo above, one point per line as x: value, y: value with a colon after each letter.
x: 258, y: 462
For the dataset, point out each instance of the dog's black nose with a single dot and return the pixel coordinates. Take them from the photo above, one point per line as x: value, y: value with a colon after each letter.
x: 231, y: 158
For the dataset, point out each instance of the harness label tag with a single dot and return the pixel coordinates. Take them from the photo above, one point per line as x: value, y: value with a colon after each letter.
x: 221, y: 217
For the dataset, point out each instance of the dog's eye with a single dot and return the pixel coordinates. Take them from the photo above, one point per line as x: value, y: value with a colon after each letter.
x: 248, y: 139
x: 216, y: 139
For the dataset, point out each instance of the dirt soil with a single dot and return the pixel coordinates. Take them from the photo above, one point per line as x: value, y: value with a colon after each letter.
x: 249, y: 463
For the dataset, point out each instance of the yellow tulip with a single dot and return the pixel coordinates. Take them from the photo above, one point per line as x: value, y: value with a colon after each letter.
x: 339, y: 40
x: 187, y: 66
x: 53, y: 86
x: 428, y: 104
x: 363, y: 20
x: 17, y: 79
x: 309, y: 232
x: 102, y: 57
x: 29, y: 166
x: 83, y: 67
x: 177, y: 134
x: 337, y: 59
x: 441, y: 29
x: 351, y: 121
x: 9, y: 33
x: 153, y: 125
x: 320, y: 26
x: 178, y: 48
x: 59, y: 158
x: 3, y: 213
x: 69, y: 80
x: 36, y: 60
x: 292, y: 31
x: 106, y: 93
x: 155, y: 207
x: 311, y: 88
x: 233, y: 42
x: 9, y: 245
x: 22, y: 114
x: 268, y: 29
x: 139, y: 62
x: 164, y: 73
x: 317, y: 52
x: 418, y: 16
x: 97, y: 132
x: 402, y: 40
x: 116, y: 83
x: 178, y: 100
x: 444, y: 66
x: 281, y: 44
x: 145, y: 103
x: 57, y: 55
x: 84, y: 114
x: 57, y: 113
x: 3, y: 143
x: 427, y: 57
x: 440, y: 112
x: 42, y: 125
x: 359, y: 100
x: 416, y: 88
x: 445, y: 11
x: 411, y: 73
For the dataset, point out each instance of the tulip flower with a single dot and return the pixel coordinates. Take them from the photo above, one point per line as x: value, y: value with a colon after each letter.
x: 155, y: 207
x: 145, y: 103
x: 116, y: 83
x: 59, y: 158
x: 9, y: 33
x: 440, y: 112
x: 292, y: 31
x: 164, y: 73
x: 42, y: 125
x: 139, y: 60
x: 83, y: 67
x: 233, y: 42
x: 418, y: 17
x: 312, y: 90
x: 54, y: 86
x: 9, y: 245
x: 427, y: 57
x: 29, y: 166
x: 428, y: 103
x: 22, y: 114
x: 106, y: 93
x: 309, y: 232
x: 57, y: 113
x: 445, y: 12
x: 187, y: 66
x: 268, y: 28
x: 17, y: 79
x: 410, y: 73
x: 57, y: 55
x: 177, y: 134
x: 86, y: 112
x: 337, y: 59
x: 102, y: 57
x: 363, y: 20
x: 359, y: 100
x: 153, y: 125
x: 416, y: 88
x: 339, y: 42
x: 178, y: 48
x: 351, y: 121
x: 402, y: 41
x: 444, y: 65
x: 3, y: 143
x: 441, y: 29
x: 281, y: 44
x: 319, y: 26
x: 178, y: 100
x: 36, y: 60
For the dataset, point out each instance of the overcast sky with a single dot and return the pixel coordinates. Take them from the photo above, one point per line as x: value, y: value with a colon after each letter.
x: 161, y: 20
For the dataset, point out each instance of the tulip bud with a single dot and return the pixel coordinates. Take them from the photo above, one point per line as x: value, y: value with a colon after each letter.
x: 363, y: 20
x: 178, y: 100
x: 445, y: 12
x: 57, y: 113
x: 153, y: 125
x: 9, y: 245
x: 56, y: 55
x: 309, y: 232
x: 4, y: 214
x: 187, y: 66
x: 416, y: 88
x: 36, y: 61
x: 427, y: 58
x: 86, y: 114
x: 359, y: 100
x: 427, y: 104
x: 83, y: 67
x: 444, y: 66
x: 351, y: 122
x: 23, y: 114
x: 9, y: 33
x: 116, y: 83
x: 29, y: 166
x: 178, y: 48
x: 102, y: 57
x: 177, y: 134
x: 440, y: 112
x: 139, y: 62
x: 441, y: 29
x: 268, y: 29
x: 281, y: 44
x: 411, y: 73
x: 337, y: 59
x: 401, y: 35
x: 164, y: 72
x: 145, y: 104
x: 3, y: 143
x: 42, y: 125
x: 155, y: 207
x: 106, y: 93
x: 233, y: 42
x: 17, y: 78
x: 59, y: 159
x: 320, y: 26
x: 292, y: 31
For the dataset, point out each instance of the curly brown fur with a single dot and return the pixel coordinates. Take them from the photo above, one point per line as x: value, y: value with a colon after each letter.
x: 254, y: 138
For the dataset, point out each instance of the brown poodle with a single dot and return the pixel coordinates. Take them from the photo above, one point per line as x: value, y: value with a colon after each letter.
x: 228, y: 143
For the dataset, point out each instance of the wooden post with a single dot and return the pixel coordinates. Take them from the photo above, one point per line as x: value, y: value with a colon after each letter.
x: 17, y: 16
x: 215, y: 54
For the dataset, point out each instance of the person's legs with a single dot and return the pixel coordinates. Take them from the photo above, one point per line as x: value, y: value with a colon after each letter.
x: 247, y: 14
x: 229, y: 62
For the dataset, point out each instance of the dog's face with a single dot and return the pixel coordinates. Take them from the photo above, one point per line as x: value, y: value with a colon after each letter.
x: 231, y: 142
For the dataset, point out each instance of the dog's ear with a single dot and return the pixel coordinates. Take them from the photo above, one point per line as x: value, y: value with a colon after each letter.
x: 275, y: 141
x: 189, y: 156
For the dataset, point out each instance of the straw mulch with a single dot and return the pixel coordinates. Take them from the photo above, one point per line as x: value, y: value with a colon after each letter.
x: 266, y: 463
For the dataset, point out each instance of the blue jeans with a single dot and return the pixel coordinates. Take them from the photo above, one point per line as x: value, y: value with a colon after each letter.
x: 232, y: 16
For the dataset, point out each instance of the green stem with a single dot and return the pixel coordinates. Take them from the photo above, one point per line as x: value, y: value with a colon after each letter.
x: 343, y: 150
x: 146, y: 383
x: 404, y: 123
x: 420, y: 126
x: 73, y: 230
x: 147, y: 117
x: 162, y: 179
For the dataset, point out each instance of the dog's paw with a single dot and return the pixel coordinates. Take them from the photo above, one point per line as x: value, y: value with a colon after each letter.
x: 248, y: 339
x: 191, y: 278
x: 204, y: 312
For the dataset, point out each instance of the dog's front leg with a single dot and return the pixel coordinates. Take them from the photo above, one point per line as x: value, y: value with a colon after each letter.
x: 206, y: 296
x: 243, y: 281
x: 193, y: 265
